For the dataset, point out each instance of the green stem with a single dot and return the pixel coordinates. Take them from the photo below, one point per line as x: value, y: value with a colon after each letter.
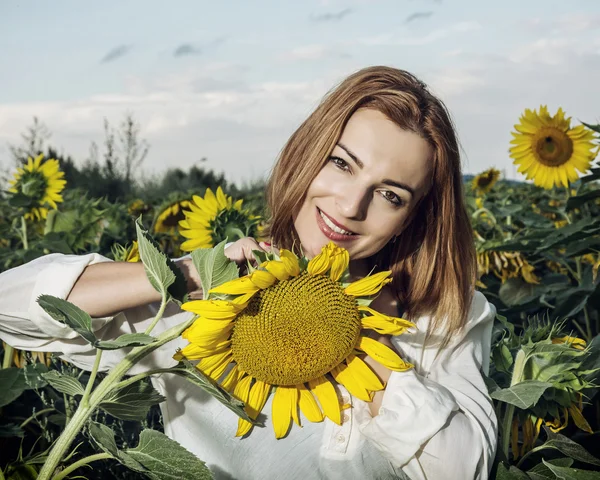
x: 34, y: 416
x: 8, y: 354
x: 476, y: 213
x: 581, y: 330
x: 588, y: 324
x: 140, y: 376
x: 530, y: 452
x: 81, y: 463
x: 159, y: 314
x: 24, y: 233
x: 1, y: 475
x: 90, y: 383
x: 107, y: 385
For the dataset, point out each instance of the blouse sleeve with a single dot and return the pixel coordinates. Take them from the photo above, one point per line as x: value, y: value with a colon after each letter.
x: 437, y: 420
x: 26, y: 326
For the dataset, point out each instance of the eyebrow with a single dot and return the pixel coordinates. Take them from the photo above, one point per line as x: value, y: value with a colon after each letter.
x: 387, y: 181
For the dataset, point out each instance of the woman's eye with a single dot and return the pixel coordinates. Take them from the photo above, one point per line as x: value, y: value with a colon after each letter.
x: 392, y: 198
x: 340, y: 163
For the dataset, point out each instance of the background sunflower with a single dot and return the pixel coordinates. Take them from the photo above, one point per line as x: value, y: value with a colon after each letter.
x: 36, y: 187
x: 548, y: 150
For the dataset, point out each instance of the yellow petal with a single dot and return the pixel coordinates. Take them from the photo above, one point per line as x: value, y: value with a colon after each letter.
x: 339, y: 264
x: 242, y: 392
x: 221, y: 198
x: 309, y: 406
x: 285, y: 401
x: 325, y: 392
x: 215, y: 365
x: 383, y: 354
x: 319, y: 264
x: 343, y: 376
x: 213, y: 309
x: 369, y: 285
x: 384, y: 324
x: 278, y: 269
x: 257, y: 398
x: 579, y: 419
x: 290, y: 261
x: 239, y: 286
x: 262, y: 279
x: 231, y: 380
x: 363, y: 372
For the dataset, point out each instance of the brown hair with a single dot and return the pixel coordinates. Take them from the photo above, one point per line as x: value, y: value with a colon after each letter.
x: 433, y: 260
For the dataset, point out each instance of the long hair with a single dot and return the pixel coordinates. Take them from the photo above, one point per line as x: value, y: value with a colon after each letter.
x: 433, y: 261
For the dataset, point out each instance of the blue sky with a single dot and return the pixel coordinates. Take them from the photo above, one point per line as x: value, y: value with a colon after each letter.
x: 231, y: 80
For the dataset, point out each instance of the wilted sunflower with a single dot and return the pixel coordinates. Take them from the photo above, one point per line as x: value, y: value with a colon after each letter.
x: 39, y: 186
x: 290, y: 325
x: 213, y: 218
x: 169, y: 217
x: 548, y: 150
x: 485, y: 181
x: 505, y: 265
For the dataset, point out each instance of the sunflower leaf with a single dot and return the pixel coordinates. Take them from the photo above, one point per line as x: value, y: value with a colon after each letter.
x: 213, y: 267
x: 15, y: 381
x: 568, y: 447
x: 571, y: 473
x: 195, y: 376
x: 165, y: 459
x: 132, y: 402
x: 69, y: 314
x: 163, y: 274
x: 523, y: 395
x: 125, y: 340
x: 64, y: 383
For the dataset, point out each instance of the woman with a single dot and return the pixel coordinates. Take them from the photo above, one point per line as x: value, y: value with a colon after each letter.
x: 375, y: 169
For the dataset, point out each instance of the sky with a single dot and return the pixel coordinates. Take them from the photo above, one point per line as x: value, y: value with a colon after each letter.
x: 230, y: 81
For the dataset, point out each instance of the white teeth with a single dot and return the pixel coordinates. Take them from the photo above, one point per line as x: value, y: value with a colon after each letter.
x: 331, y: 225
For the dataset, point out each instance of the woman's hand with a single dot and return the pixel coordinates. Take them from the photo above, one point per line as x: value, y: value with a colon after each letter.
x: 241, y: 252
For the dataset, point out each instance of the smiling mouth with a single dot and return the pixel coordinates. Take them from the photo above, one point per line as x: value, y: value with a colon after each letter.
x: 333, y: 226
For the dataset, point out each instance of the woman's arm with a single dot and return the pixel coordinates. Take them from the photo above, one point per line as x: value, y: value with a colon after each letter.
x: 104, y: 289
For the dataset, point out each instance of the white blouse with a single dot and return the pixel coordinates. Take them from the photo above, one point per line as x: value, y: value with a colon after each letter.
x: 436, y: 420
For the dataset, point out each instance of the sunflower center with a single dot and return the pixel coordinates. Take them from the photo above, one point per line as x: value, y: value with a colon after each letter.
x: 295, y: 331
x: 34, y: 185
x: 552, y: 146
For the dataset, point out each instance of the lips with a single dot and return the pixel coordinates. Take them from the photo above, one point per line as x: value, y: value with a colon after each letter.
x: 329, y: 232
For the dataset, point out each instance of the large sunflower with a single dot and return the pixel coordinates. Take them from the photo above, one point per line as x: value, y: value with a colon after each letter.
x: 485, y: 181
x: 214, y: 218
x: 548, y: 150
x: 39, y: 186
x: 293, y: 325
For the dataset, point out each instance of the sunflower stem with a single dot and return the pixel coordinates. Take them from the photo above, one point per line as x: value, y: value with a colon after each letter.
x: 159, y: 314
x: 24, y: 233
x: 90, y: 384
x: 83, y: 412
x: 506, y: 427
x: 81, y: 463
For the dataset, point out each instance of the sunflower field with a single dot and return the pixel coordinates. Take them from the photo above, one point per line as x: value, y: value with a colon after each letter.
x: 538, y: 255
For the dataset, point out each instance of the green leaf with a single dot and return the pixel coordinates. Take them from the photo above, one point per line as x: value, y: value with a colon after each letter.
x: 564, y: 473
x: 132, y: 402
x: 11, y: 430
x: 213, y: 267
x: 583, y: 246
x: 125, y: 340
x: 510, y: 473
x: 195, y: 376
x: 583, y: 198
x: 163, y: 274
x: 165, y: 459
x: 104, y: 438
x: 502, y: 358
x: 64, y: 383
x: 15, y: 381
x: 69, y: 314
x: 516, y: 292
x: 568, y: 447
x: 523, y: 395
x: 570, y: 302
x: 542, y: 472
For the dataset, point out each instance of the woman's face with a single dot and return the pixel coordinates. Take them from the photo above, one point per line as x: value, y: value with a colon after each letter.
x: 365, y: 193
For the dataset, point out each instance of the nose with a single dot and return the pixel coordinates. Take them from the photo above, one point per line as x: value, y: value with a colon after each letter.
x: 352, y: 203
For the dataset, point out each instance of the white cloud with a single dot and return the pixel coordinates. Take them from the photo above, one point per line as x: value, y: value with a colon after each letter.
x: 413, y: 40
